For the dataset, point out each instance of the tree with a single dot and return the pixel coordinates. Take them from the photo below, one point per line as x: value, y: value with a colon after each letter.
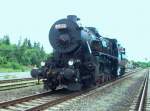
x: 29, y: 44
x: 6, y: 40
x: 24, y: 53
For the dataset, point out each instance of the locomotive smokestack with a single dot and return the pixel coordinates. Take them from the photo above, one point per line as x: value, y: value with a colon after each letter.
x: 73, y: 18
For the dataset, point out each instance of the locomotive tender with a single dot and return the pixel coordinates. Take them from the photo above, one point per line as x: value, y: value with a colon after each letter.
x: 81, y: 57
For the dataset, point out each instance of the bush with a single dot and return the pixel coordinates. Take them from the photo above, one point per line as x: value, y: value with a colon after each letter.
x: 15, y: 65
x: 12, y: 65
x: 3, y: 60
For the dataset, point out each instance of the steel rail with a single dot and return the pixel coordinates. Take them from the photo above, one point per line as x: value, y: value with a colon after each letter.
x: 20, y: 84
x: 143, y: 94
x: 15, y: 80
x: 23, y: 99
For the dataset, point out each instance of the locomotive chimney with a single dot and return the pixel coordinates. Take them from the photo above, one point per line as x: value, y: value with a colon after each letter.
x: 73, y: 18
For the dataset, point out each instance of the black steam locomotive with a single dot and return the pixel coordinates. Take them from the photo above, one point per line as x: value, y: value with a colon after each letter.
x: 81, y: 57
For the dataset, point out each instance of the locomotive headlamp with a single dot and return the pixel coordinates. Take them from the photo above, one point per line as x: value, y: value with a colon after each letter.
x: 42, y: 63
x: 70, y: 62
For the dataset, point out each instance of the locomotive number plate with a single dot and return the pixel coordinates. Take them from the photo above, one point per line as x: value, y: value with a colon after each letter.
x: 61, y: 26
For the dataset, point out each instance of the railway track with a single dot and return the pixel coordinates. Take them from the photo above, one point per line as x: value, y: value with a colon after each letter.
x: 147, y: 101
x: 15, y: 80
x: 17, y: 83
x: 45, y: 100
x: 140, y: 102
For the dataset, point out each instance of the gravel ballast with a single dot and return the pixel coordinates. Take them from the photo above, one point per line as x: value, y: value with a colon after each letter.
x: 20, y: 92
x: 115, y: 98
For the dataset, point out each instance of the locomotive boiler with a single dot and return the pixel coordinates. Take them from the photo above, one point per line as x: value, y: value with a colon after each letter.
x: 81, y: 57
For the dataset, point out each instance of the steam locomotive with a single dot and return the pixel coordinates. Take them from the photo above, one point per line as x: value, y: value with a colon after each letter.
x: 81, y: 57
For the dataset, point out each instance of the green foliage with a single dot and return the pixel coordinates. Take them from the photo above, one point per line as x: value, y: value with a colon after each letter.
x: 5, y: 40
x: 141, y: 64
x: 23, y: 54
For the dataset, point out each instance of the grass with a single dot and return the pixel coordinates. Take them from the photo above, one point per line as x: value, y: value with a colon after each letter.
x: 10, y: 70
x: 22, y: 69
x: 13, y: 67
x: 9, y: 76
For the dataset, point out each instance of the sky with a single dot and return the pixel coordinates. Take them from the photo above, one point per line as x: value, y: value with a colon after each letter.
x: 126, y: 20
